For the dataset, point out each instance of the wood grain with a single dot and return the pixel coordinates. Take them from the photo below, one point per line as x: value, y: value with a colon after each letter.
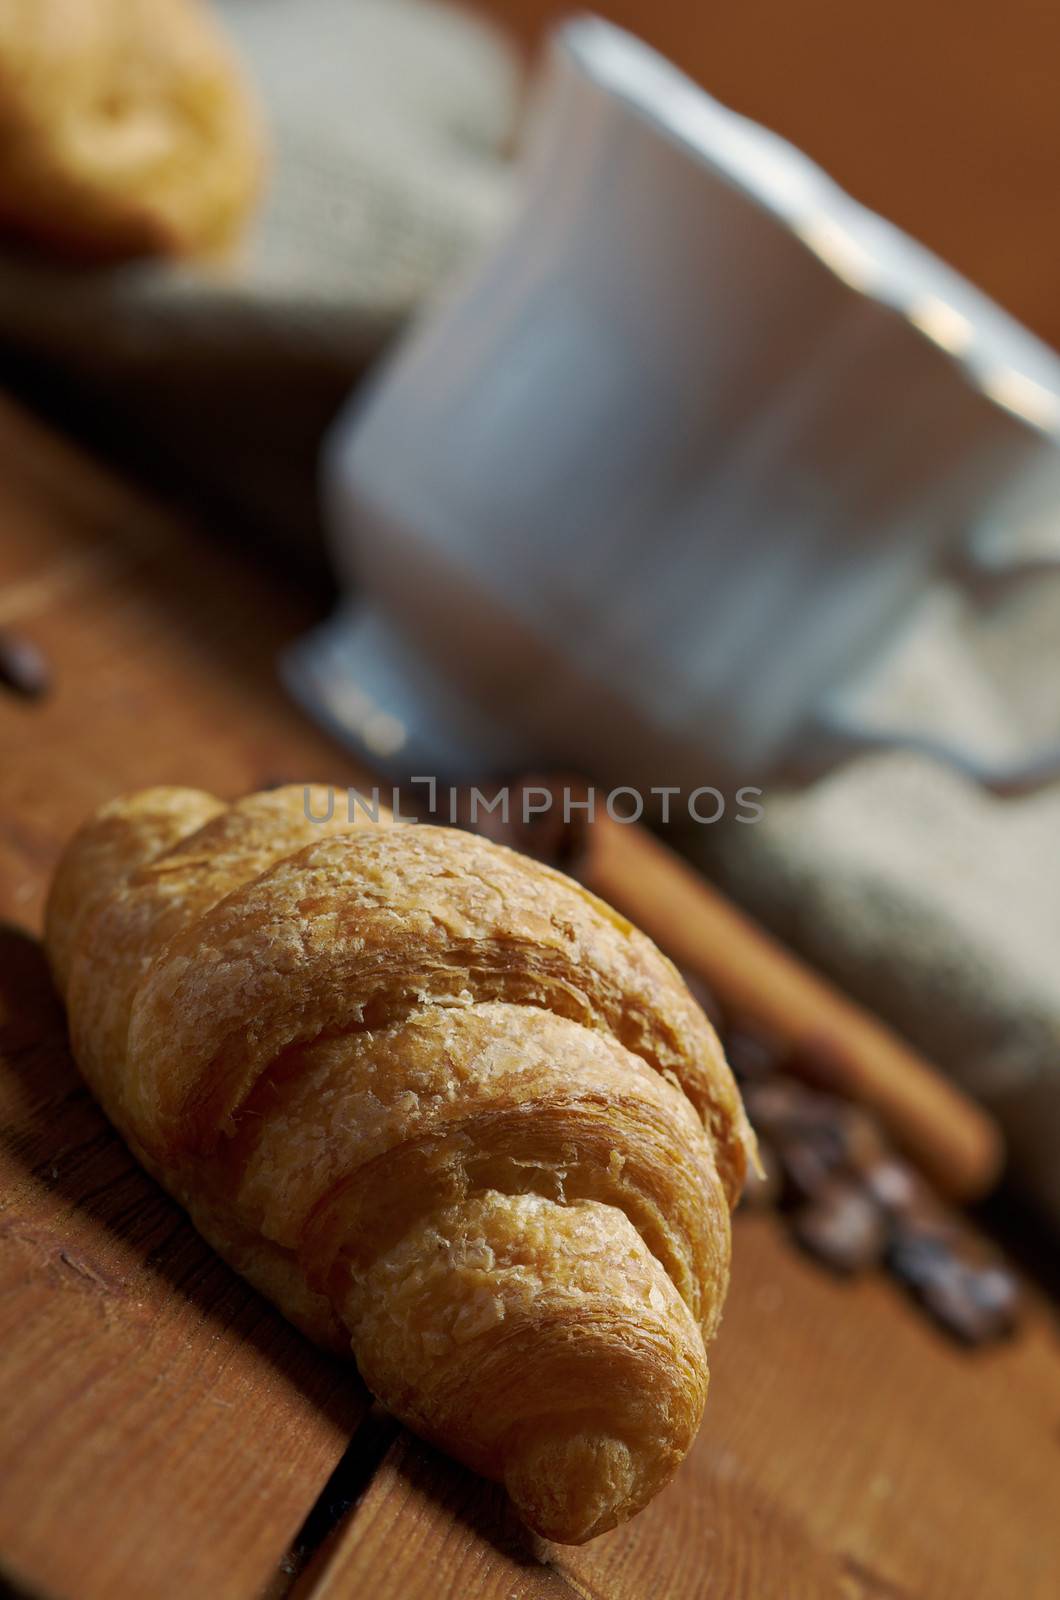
x: 428, y: 1526
x: 164, y: 1434
x: 848, y: 1450
x: 157, y: 1414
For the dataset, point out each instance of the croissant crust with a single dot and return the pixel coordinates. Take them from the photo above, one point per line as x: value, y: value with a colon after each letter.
x: 448, y: 1110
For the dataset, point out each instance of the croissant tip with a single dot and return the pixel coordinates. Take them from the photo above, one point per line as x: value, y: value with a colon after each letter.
x: 571, y: 1489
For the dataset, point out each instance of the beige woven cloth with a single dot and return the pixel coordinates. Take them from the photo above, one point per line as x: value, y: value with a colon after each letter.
x: 930, y: 899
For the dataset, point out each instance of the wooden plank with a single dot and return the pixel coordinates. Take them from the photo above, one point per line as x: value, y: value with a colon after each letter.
x: 426, y: 1526
x: 165, y: 1432
x: 163, y: 647
x: 848, y: 1451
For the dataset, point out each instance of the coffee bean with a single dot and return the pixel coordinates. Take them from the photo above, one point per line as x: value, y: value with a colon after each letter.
x: 753, y: 1052
x: 944, y: 1292
x: 920, y: 1250
x: 974, y: 1302
x: 804, y: 1128
x: 807, y: 1164
x: 23, y: 668
x: 776, y: 1105
x: 893, y: 1185
x: 996, y: 1292
x: 842, y: 1227
x: 786, y: 1109
x: 958, y: 1299
x: 544, y: 834
x: 864, y: 1145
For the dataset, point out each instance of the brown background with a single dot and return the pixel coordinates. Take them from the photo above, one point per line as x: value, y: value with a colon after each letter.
x: 942, y: 114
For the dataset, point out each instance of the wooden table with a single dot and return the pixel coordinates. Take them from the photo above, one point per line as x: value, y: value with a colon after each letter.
x: 165, y: 1434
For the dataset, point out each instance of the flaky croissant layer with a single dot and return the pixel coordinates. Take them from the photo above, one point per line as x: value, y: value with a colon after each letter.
x: 443, y: 1106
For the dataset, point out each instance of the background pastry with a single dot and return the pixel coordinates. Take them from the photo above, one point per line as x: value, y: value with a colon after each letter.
x: 437, y: 1101
x: 126, y: 129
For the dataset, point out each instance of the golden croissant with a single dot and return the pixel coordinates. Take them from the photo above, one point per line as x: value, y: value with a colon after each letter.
x: 126, y: 129
x: 442, y: 1105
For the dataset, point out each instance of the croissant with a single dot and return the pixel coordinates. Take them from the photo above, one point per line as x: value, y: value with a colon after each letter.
x: 126, y: 129
x: 439, y: 1103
